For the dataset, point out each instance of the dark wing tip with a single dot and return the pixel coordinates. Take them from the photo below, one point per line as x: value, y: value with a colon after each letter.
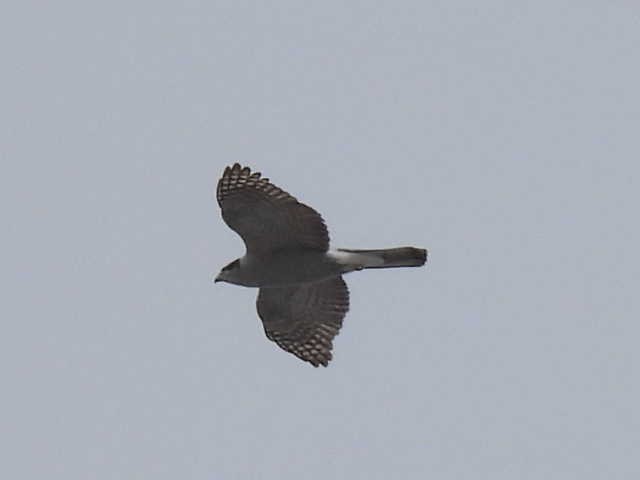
x: 235, y: 177
x: 317, y: 352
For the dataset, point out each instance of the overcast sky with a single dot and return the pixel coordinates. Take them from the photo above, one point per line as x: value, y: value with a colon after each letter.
x: 503, y: 136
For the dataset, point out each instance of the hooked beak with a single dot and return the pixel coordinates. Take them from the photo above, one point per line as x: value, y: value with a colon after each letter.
x: 217, y: 279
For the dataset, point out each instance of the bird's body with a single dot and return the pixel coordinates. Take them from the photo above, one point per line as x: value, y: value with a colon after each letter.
x: 290, y: 267
x: 287, y: 267
x: 302, y: 299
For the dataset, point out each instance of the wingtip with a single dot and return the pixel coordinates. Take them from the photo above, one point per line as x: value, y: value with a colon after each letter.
x: 424, y: 255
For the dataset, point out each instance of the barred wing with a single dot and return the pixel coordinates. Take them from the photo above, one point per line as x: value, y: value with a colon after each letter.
x: 303, y: 319
x: 266, y: 217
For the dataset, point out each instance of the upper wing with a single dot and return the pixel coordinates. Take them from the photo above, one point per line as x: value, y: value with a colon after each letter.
x: 266, y: 217
x: 303, y: 319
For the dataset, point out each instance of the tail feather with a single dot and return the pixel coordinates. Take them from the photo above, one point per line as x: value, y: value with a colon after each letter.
x: 387, y: 257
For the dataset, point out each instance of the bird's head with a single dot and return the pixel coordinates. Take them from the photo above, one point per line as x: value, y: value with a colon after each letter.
x: 229, y: 273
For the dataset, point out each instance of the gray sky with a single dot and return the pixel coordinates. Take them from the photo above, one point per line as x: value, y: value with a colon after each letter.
x: 503, y: 136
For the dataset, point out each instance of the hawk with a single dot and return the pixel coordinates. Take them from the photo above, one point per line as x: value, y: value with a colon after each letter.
x: 302, y: 298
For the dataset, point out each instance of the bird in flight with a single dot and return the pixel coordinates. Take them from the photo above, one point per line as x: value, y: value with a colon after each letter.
x: 302, y: 298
